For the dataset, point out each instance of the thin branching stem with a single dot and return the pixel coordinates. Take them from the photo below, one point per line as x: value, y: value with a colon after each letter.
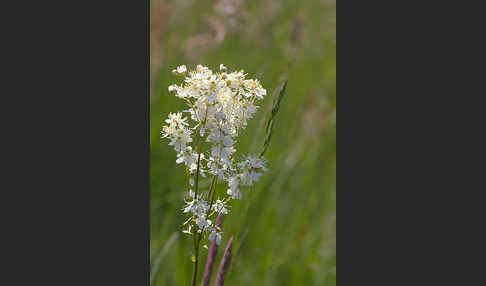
x: 199, y: 151
x: 196, y: 240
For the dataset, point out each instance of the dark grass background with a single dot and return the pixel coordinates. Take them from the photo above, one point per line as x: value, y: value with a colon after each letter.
x: 285, y: 226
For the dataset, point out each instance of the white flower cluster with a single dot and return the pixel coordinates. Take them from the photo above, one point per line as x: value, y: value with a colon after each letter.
x: 219, y: 106
x: 246, y: 177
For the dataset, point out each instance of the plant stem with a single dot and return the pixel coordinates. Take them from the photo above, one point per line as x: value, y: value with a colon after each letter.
x: 213, y: 251
x: 197, y: 172
x: 224, y: 264
x: 199, y: 149
x: 196, y: 250
x: 211, y: 187
x: 196, y: 240
x: 212, y: 191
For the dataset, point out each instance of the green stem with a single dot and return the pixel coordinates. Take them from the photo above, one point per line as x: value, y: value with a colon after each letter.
x: 199, y: 149
x: 196, y: 240
x: 197, y: 171
x: 196, y: 250
x: 211, y: 187
x: 212, y: 196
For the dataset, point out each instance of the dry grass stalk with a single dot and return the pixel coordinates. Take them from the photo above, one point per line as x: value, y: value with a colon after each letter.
x: 213, y: 251
x: 224, y: 264
x: 276, y: 106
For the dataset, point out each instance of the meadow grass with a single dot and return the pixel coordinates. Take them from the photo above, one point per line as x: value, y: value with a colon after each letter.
x: 284, y: 228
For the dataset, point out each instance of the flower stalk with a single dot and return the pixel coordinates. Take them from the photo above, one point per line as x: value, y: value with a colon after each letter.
x: 213, y: 251
x: 224, y: 264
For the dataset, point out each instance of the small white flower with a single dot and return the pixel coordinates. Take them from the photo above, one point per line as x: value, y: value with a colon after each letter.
x: 187, y: 156
x: 235, y: 194
x: 187, y: 231
x: 222, y: 152
x: 253, y: 177
x: 215, y: 236
x: 202, y: 222
x: 219, y: 207
x: 260, y: 92
x: 180, y: 70
x: 214, y: 168
x: 182, y: 93
x: 193, y: 169
x: 173, y: 88
x: 176, y: 119
x: 180, y: 138
x: 234, y: 183
x: 167, y: 131
x: 190, y: 207
x: 197, y: 206
x: 222, y: 67
x: 257, y: 163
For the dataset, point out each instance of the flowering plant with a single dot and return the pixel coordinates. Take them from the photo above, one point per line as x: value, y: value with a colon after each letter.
x: 219, y: 106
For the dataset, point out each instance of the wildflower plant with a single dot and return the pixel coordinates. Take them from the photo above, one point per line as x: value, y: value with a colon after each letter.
x: 204, y: 136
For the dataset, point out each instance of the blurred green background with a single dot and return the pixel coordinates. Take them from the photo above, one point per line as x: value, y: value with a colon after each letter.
x: 285, y: 225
